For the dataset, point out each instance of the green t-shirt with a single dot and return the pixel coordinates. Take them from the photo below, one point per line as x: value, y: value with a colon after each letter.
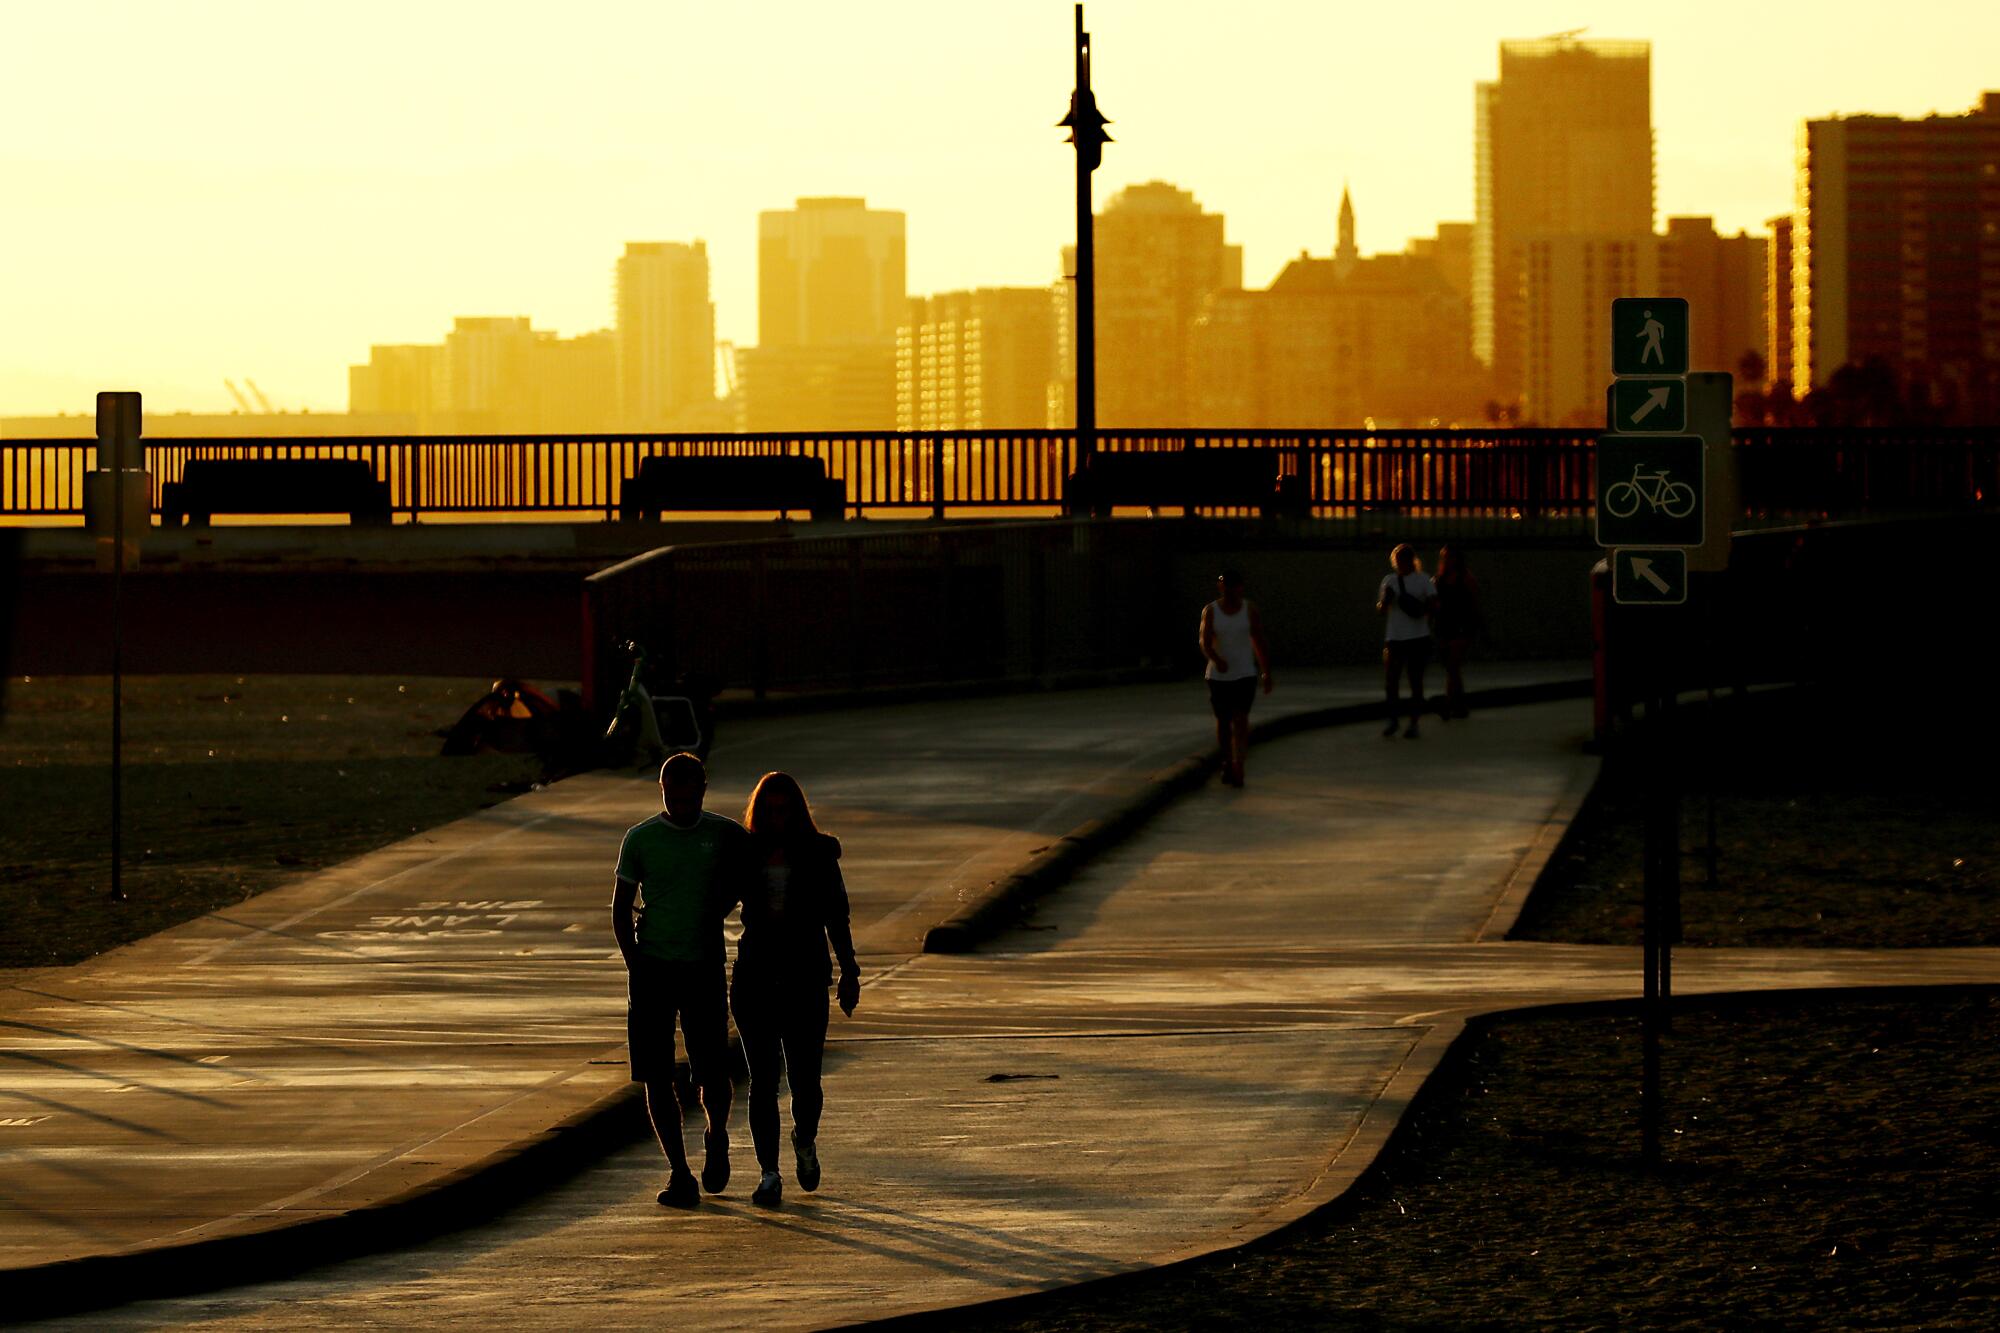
x: 687, y: 880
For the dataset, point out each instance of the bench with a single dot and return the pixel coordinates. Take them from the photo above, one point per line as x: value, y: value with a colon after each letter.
x: 210, y: 486
x: 1208, y: 478
x: 783, y: 482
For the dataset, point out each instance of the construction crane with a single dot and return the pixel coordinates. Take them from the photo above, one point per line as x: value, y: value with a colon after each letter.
x: 237, y: 394
x: 262, y: 401
x: 1568, y: 35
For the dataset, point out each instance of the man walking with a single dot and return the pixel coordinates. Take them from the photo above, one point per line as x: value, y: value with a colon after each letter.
x: 679, y: 874
x: 1232, y: 639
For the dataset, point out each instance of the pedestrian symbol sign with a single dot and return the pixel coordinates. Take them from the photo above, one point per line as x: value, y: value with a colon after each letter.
x: 1656, y: 406
x: 1649, y: 490
x: 1649, y: 335
x: 1656, y: 577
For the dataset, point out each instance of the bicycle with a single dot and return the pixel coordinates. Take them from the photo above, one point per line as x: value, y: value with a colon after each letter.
x: 1675, y: 499
x: 636, y: 721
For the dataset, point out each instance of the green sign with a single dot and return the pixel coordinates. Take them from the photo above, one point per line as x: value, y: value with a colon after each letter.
x: 1649, y: 335
x: 1657, y: 577
x: 1649, y: 490
x: 1656, y: 406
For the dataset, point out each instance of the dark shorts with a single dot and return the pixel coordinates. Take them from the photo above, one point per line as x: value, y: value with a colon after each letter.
x: 656, y: 992
x: 1409, y: 654
x: 1231, y: 698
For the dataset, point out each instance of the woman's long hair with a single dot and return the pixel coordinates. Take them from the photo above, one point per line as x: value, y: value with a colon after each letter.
x: 779, y: 784
x: 1452, y: 568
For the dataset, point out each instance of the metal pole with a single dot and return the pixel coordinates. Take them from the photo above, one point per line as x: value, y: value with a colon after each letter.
x: 117, y: 665
x: 1086, y: 265
x: 1656, y: 832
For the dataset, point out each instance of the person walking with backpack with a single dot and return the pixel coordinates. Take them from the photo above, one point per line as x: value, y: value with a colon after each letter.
x: 794, y: 907
x: 1406, y: 600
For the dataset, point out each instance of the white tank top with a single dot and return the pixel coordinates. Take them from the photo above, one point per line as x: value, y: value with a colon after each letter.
x: 1232, y: 642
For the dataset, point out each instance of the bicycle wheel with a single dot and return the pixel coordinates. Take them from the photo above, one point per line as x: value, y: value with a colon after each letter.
x: 1677, y: 500
x: 1622, y: 500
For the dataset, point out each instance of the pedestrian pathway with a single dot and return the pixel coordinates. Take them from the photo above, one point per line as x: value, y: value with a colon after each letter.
x: 1208, y: 1033
x: 380, y: 1026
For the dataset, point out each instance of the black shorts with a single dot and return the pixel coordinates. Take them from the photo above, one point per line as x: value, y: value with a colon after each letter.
x: 1231, y: 698
x: 655, y: 992
x: 1412, y: 654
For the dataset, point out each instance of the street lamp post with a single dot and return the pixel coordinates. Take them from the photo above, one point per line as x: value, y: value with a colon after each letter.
x: 1086, y: 131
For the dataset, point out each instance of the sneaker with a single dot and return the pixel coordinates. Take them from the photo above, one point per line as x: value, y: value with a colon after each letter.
x: 808, y: 1157
x: 680, y: 1192
x: 1389, y: 727
x: 1409, y: 732
x: 770, y: 1190
x: 715, y: 1166
x: 1230, y: 778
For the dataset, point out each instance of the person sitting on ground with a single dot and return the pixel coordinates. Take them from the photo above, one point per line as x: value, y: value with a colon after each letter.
x: 1406, y: 600
x: 794, y: 906
x: 1232, y: 641
x: 1456, y: 622
x: 679, y: 874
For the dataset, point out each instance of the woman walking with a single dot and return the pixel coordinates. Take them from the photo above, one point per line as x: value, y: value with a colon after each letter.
x: 794, y: 906
x: 1456, y: 622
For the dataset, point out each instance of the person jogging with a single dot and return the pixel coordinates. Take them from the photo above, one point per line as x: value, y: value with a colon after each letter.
x: 679, y: 874
x: 1406, y: 600
x: 1232, y: 641
x: 794, y: 906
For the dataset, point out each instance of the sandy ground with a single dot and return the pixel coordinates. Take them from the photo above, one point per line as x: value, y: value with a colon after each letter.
x: 1841, y: 822
x: 233, y: 785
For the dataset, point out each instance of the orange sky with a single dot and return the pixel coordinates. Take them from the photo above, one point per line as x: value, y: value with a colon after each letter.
x: 196, y: 189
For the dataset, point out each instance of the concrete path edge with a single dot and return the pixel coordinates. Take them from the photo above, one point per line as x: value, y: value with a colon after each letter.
x: 1436, y: 1063
x: 1010, y: 897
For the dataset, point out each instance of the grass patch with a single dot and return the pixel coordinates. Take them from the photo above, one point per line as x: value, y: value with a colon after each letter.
x: 233, y: 785
x: 1838, y: 823
x: 1830, y: 1163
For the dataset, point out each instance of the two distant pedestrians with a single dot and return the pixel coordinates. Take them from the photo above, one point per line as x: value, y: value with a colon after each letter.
x: 1406, y: 599
x: 1232, y: 642
x: 679, y: 875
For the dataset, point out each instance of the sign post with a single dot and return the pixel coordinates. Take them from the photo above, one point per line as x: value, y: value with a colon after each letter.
x: 1652, y: 501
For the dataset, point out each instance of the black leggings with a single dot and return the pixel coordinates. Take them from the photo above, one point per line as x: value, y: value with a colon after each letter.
x: 783, y: 1027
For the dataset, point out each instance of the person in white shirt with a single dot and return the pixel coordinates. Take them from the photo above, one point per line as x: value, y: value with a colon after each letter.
x: 1407, y: 599
x: 1232, y: 640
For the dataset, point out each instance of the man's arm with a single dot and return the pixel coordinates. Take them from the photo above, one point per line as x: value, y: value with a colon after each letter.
x: 1207, y: 639
x: 1258, y: 646
x: 624, y: 928
x: 1383, y: 597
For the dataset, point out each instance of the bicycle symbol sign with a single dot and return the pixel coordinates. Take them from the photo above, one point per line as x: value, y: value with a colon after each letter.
x: 1649, y: 490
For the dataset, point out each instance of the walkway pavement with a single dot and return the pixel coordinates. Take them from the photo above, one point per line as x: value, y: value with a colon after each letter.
x: 380, y: 1026
x: 1208, y: 1033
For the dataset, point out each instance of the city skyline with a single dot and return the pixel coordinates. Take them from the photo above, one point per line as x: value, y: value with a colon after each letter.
x: 229, y: 278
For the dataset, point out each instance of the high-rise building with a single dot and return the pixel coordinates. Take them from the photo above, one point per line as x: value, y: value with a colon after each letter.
x: 1567, y: 286
x: 575, y: 383
x: 1564, y: 148
x: 1723, y: 279
x: 1159, y: 257
x: 1778, y: 308
x: 976, y: 360
x: 1451, y: 251
x: 1896, y: 252
x: 830, y: 294
x: 489, y: 363
x: 666, y: 335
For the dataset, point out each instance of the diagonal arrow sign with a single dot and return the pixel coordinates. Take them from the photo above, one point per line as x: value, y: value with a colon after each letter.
x: 1643, y: 567
x: 1655, y: 400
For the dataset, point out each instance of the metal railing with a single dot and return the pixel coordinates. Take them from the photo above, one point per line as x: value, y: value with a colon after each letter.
x: 1794, y: 472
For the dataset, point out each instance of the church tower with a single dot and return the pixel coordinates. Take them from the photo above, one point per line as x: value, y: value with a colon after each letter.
x: 1345, y: 256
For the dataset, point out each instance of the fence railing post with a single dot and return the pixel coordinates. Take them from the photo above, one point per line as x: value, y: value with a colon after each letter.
x: 937, y: 477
